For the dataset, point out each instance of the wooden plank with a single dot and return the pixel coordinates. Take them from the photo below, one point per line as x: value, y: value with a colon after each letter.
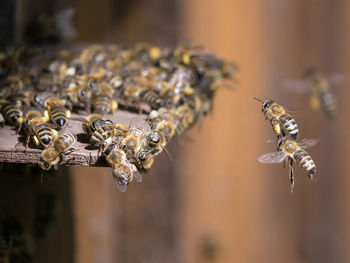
x: 12, y: 151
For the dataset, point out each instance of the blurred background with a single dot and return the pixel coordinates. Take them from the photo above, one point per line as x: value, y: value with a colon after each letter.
x: 213, y: 202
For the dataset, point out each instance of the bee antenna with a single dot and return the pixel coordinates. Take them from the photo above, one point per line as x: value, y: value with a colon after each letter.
x: 258, y: 99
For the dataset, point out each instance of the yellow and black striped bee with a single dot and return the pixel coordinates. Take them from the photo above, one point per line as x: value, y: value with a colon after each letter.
x: 105, y: 134
x: 102, y: 98
x: 319, y: 88
x: 282, y: 122
x: 294, y: 152
x: 123, y: 170
x: 56, y: 112
x: 51, y: 156
x: 13, y: 114
x: 93, y: 122
x: 38, y: 129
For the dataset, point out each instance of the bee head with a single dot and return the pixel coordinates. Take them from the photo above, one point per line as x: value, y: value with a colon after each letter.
x: 43, y: 164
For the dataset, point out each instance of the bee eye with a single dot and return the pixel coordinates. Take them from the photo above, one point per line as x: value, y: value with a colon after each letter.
x: 107, y: 152
x: 46, y: 165
x: 83, y: 92
x: 112, y: 146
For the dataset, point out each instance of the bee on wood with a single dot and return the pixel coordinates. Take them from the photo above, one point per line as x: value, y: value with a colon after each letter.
x: 319, y: 88
x: 77, y: 94
x: 56, y: 112
x: 38, y: 129
x: 93, y: 122
x: 123, y: 170
x: 294, y: 152
x: 105, y: 134
x: 282, y: 122
x: 51, y: 156
x: 13, y: 114
x: 102, y: 99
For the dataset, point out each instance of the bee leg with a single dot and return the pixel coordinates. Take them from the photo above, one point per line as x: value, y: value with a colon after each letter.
x: 69, y: 151
x: 291, y: 175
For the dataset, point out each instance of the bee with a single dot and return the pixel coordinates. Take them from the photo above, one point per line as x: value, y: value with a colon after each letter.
x: 12, y: 113
x: 295, y: 153
x: 52, y: 154
x: 123, y: 170
x: 186, y: 118
x: 143, y: 159
x: 132, y: 141
x: 155, y: 142
x: 151, y: 98
x: 105, y: 134
x: 282, y: 122
x: 38, y: 129
x: 319, y: 87
x: 93, y: 122
x: 56, y: 111
x: 78, y: 95
x: 102, y: 100
x: 32, y: 98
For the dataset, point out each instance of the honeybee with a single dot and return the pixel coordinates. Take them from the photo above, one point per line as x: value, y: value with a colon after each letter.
x: 319, y: 87
x: 93, y: 122
x: 143, y: 159
x: 12, y: 114
x: 151, y: 98
x: 52, y: 154
x: 32, y: 98
x: 123, y: 171
x: 56, y: 111
x: 38, y: 129
x: 77, y: 94
x: 282, y: 122
x: 132, y: 141
x: 102, y: 99
x: 105, y: 134
x: 186, y: 118
x: 294, y: 152
x: 155, y: 142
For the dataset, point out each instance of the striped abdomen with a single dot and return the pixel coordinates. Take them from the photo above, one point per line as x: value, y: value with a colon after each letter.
x: 58, y: 115
x: 289, y: 126
x: 151, y: 98
x: 329, y: 105
x: 102, y: 134
x: 44, y: 134
x: 102, y: 104
x: 12, y: 114
x: 305, y: 162
x: 65, y: 141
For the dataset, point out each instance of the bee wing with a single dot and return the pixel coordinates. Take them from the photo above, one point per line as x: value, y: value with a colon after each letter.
x: 336, y: 79
x: 138, y: 177
x: 274, y: 157
x: 306, y: 143
x: 300, y: 86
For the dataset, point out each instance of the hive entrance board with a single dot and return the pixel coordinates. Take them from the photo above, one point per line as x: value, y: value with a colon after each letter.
x: 84, y: 155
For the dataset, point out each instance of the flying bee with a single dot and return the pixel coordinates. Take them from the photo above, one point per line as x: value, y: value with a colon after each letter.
x: 123, y: 171
x: 38, y: 129
x: 282, y: 122
x: 319, y: 88
x: 56, y: 111
x: 294, y: 152
x: 12, y: 114
x: 102, y: 99
x: 51, y: 156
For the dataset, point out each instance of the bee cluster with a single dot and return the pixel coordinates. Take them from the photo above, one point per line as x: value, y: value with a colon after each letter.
x: 174, y: 86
